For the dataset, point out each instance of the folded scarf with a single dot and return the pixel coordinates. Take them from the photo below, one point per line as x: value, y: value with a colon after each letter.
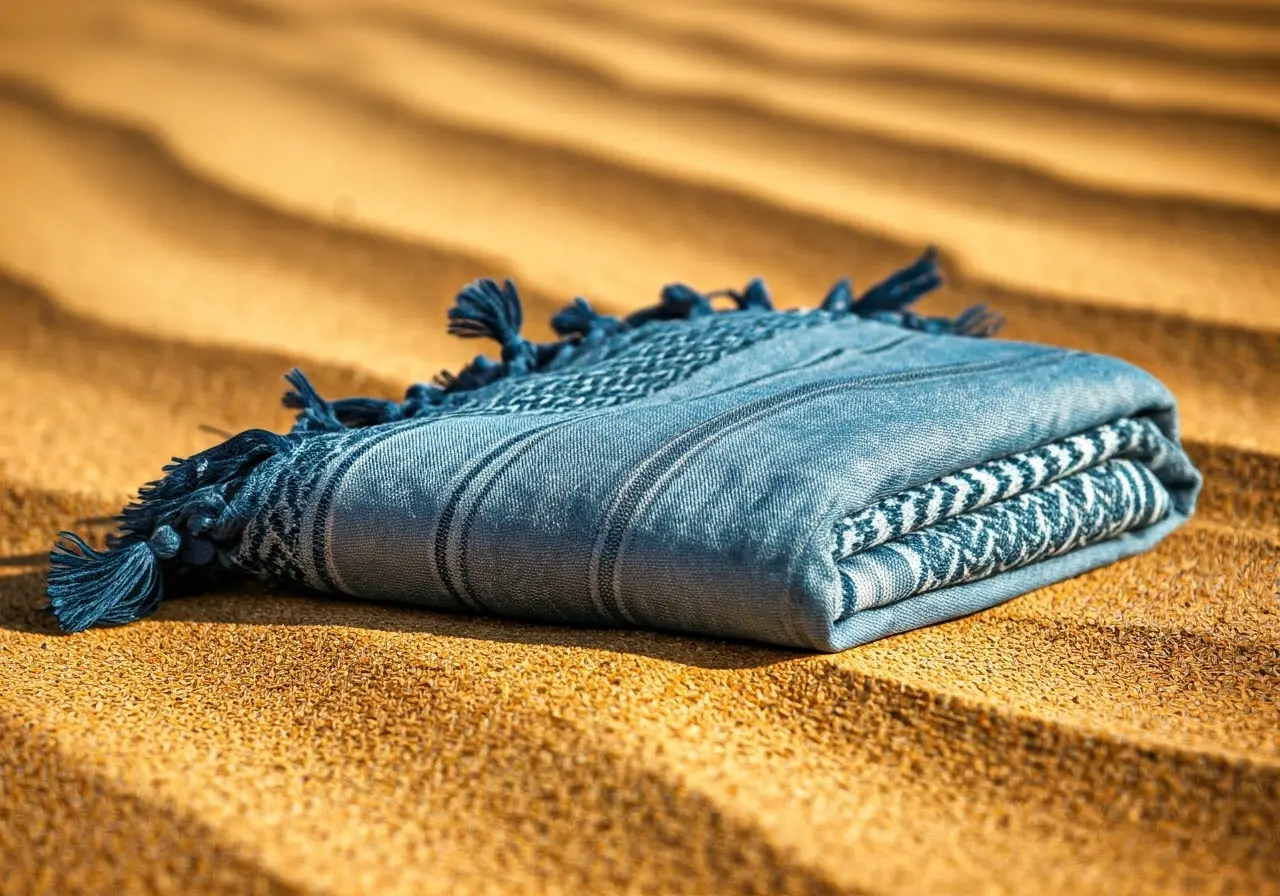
x: 812, y: 478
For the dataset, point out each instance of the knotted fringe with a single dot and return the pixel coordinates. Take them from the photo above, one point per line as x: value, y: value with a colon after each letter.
x: 88, y: 587
x: 484, y: 308
x: 185, y: 526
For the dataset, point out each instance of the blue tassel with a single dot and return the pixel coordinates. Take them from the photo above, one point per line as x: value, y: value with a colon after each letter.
x: 755, y: 296
x: 88, y: 587
x: 354, y: 412
x: 480, y: 372
x: 316, y: 414
x: 937, y: 326
x: 418, y: 400
x: 887, y: 301
x: 423, y: 394
x: 223, y: 465
x: 485, y: 309
x: 840, y: 299
x: 978, y: 321
x: 178, y: 526
x: 681, y: 301
x: 902, y: 288
x: 580, y: 319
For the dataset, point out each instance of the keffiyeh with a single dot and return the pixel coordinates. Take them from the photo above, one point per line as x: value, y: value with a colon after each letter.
x: 812, y: 478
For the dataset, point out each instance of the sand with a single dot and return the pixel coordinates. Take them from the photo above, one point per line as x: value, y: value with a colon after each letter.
x: 197, y: 195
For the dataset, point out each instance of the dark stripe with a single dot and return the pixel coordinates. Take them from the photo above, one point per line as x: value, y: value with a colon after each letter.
x: 686, y: 443
x: 445, y: 523
x: 651, y: 470
x: 888, y: 344
x: 465, y: 591
x: 326, y: 497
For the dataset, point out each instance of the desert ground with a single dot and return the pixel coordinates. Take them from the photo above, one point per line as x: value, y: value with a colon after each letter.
x: 195, y: 196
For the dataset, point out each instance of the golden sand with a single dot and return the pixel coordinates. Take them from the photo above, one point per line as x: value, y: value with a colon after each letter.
x: 197, y: 195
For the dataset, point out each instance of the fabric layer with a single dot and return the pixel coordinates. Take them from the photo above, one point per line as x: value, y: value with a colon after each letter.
x: 1080, y: 509
x: 814, y: 478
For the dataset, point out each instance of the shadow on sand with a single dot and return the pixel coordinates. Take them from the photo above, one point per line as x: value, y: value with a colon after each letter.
x: 23, y: 602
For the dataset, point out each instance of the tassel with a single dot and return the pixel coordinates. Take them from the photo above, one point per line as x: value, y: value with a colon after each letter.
x: 316, y: 414
x: 88, y: 587
x: 418, y: 398
x: 579, y: 318
x: 356, y: 412
x: 937, y: 326
x: 178, y: 524
x: 480, y: 372
x: 485, y: 309
x: 754, y: 297
x: 685, y: 302
x: 902, y: 288
x: 679, y: 302
x: 978, y: 321
x: 423, y: 393
x: 840, y: 299
x: 887, y: 301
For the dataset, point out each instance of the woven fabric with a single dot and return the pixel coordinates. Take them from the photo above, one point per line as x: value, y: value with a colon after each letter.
x: 815, y: 478
x: 630, y: 369
x: 1078, y: 510
x: 998, y: 480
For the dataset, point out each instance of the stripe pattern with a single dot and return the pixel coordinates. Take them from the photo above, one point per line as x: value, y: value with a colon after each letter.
x: 996, y: 480
x: 633, y: 366
x: 1002, y: 515
x: 273, y: 543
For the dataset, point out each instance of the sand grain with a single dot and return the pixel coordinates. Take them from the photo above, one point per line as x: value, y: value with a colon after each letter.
x: 198, y: 195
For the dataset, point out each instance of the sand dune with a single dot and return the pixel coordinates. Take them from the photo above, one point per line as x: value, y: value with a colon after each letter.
x: 1077, y: 138
x: 1115, y: 60
x: 189, y: 237
x: 1013, y: 226
x: 199, y: 195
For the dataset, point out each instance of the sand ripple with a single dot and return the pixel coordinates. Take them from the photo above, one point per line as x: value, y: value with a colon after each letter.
x: 198, y: 195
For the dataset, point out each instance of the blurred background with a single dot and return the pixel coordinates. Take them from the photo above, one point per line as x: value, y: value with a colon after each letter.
x: 196, y: 195
x: 267, y: 182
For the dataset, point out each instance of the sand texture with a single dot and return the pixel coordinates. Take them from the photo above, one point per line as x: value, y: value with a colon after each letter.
x: 196, y: 195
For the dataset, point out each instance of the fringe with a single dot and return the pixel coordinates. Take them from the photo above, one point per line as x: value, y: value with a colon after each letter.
x: 185, y: 525
x: 486, y: 309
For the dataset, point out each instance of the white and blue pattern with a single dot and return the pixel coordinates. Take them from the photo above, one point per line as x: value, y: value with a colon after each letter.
x: 643, y: 362
x: 1003, y: 514
x: 996, y: 480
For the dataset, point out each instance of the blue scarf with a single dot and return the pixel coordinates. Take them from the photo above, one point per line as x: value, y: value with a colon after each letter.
x: 813, y: 478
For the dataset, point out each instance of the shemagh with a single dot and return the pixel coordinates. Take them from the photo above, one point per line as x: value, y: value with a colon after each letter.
x: 813, y: 478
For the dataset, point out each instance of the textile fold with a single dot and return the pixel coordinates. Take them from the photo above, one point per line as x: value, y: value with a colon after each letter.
x: 812, y: 478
